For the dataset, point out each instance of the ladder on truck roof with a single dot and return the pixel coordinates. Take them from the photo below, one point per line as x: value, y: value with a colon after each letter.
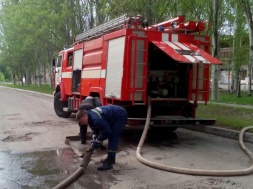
x: 98, y: 31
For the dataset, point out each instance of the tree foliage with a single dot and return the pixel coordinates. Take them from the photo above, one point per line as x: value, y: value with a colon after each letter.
x: 32, y: 32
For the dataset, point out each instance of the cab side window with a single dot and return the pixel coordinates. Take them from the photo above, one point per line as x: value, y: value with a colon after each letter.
x: 59, y: 59
x: 70, y: 59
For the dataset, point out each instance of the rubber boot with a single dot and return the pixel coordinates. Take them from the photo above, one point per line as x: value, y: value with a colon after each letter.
x: 107, y: 159
x: 83, y: 133
x: 108, y: 165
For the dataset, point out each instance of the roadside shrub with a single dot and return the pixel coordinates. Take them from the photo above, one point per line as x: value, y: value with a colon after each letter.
x: 2, y: 77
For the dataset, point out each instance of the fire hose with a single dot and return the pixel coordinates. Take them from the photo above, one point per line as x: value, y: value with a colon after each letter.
x: 74, y: 176
x: 201, y: 172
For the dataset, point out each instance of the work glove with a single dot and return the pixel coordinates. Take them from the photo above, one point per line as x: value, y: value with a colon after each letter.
x: 98, y: 144
x: 94, y: 137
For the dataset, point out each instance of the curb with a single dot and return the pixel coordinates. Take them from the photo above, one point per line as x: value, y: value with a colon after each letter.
x: 228, y: 133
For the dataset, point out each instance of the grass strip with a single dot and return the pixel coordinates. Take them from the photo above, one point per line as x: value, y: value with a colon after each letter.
x: 226, y: 116
x: 43, y: 89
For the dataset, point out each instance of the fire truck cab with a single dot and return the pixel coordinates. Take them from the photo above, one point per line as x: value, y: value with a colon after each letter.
x: 125, y: 61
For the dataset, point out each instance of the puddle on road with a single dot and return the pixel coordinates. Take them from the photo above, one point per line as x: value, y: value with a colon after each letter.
x: 46, y: 169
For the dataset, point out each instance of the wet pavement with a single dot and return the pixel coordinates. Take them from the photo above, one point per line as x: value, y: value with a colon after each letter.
x: 45, y: 169
x: 35, y: 170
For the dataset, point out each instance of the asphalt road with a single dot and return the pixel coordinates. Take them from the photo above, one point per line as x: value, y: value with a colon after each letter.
x: 33, y: 153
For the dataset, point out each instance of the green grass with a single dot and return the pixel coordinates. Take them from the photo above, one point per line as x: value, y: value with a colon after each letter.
x: 43, y: 89
x: 226, y: 116
x: 226, y: 97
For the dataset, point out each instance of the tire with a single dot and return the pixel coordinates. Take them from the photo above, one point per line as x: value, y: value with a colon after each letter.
x: 59, y: 105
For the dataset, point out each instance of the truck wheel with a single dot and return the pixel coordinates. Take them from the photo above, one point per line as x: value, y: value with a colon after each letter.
x: 59, y: 105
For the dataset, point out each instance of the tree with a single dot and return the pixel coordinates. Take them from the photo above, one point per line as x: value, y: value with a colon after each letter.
x: 215, y: 70
x: 2, y: 78
x: 247, y: 7
x: 32, y: 32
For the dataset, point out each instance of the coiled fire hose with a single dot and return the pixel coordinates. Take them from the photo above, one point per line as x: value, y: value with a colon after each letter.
x: 193, y: 171
x: 83, y: 166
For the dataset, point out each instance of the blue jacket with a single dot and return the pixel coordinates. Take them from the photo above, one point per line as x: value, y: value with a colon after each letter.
x: 103, y: 120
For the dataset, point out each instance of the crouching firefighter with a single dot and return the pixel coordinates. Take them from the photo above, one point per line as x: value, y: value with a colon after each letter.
x: 87, y: 104
x: 106, y: 122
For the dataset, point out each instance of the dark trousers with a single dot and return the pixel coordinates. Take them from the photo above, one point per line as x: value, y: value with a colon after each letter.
x: 83, y: 133
x: 116, y: 126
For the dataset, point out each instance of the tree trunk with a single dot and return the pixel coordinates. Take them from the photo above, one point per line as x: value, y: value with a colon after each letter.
x: 50, y: 56
x: 91, y: 21
x: 27, y: 74
x: 45, y: 73
x: 233, y: 87
x: 250, y: 58
x: 248, y: 15
x: 14, y: 78
x: 39, y: 75
x: 215, y: 70
x: 149, y: 12
x: 239, y: 83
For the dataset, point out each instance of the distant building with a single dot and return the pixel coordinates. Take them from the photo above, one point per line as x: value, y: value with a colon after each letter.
x: 226, y: 56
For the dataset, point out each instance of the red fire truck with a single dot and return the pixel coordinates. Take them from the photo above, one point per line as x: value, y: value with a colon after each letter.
x: 124, y: 60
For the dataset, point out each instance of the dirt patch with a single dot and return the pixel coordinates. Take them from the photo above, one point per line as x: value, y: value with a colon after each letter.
x: 14, y: 118
x: 16, y: 138
x: 8, y: 132
x: 11, y: 116
x: 8, y: 115
x: 47, y: 122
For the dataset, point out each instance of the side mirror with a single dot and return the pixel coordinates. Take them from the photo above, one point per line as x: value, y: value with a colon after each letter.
x: 53, y: 62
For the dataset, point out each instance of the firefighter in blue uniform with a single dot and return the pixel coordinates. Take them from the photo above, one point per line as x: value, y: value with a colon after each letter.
x: 106, y: 122
x: 87, y: 104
